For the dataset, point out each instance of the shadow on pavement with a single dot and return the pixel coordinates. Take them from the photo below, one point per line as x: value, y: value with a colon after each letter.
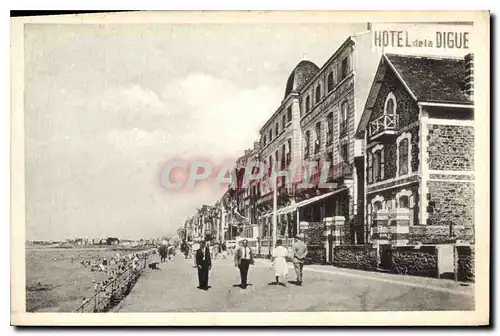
x: 272, y: 284
x: 293, y: 283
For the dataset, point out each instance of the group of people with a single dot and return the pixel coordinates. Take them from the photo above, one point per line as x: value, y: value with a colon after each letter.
x: 244, y: 257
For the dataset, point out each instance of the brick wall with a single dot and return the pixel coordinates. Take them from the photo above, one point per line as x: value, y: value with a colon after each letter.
x: 362, y: 257
x: 450, y: 202
x: 411, y: 261
x: 465, y: 263
x: 451, y: 147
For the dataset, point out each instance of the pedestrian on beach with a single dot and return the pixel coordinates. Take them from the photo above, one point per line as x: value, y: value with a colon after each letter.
x: 243, y: 258
x: 299, y: 249
x: 279, y: 262
x: 203, y: 264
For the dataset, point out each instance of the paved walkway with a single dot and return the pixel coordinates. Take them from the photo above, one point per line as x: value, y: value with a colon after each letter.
x: 326, y: 288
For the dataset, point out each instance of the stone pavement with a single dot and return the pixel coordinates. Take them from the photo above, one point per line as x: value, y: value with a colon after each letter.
x: 326, y: 288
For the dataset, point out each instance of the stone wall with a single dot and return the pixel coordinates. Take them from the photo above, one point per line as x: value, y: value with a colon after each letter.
x: 363, y: 257
x: 450, y: 202
x: 406, y: 108
x: 440, y: 234
x: 451, y: 147
x: 411, y: 261
x: 390, y: 194
x: 465, y: 263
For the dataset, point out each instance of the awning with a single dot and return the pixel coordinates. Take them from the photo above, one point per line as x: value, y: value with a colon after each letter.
x: 320, y: 197
x: 294, y: 207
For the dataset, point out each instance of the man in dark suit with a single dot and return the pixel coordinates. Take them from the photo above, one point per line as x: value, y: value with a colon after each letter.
x: 203, y: 264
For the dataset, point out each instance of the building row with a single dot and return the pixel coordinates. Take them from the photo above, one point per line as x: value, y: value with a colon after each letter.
x: 398, y: 134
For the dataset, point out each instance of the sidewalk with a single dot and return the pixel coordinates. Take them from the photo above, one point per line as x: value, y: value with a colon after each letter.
x: 442, y: 285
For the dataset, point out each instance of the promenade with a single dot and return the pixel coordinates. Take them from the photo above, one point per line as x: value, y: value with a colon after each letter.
x: 325, y: 288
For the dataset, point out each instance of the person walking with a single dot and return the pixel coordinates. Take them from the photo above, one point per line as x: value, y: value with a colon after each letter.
x: 299, y: 249
x: 203, y: 264
x: 279, y: 262
x: 243, y: 258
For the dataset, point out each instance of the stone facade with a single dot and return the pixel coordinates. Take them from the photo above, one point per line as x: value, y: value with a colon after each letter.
x: 450, y: 203
x: 451, y: 147
x: 363, y: 257
x: 440, y: 234
x: 389, y: 195
x: 411, y: 261
x: 406, y: 107
x: 465, y: 263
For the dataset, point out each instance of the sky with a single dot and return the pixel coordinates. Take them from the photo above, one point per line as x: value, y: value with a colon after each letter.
x: 107, y: 105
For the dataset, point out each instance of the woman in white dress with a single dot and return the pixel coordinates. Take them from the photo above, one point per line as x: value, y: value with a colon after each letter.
x: 279, y: 261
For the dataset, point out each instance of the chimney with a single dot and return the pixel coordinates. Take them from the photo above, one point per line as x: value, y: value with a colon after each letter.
x: 469, y: 75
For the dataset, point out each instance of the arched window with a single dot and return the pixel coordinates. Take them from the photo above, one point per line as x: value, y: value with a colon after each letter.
x: 344, y: 113
x: 317, y: 143
x: 307, y: 140
x: 318, y: 93
x: 329, y: 128
x: 390, y: 104
x: 308, y: 104
x: 330, y: 81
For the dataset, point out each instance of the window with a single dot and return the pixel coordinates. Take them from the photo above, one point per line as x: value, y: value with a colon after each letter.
x: 283, y: 120
x: 344, y: 153
x: 270, y: 135
x: 270, y: 164
x: 264, y: 140
x: 345, y: 67
x: 308, y: 104
x: 330, y: 81
x: 329, y: 128
x: 404, y: 202
x: 277, y: 129
x: 390, y: 104
x: 307, y: 140
x: 344, y: 112
x: 369, y: 165
x: 283, y: 156
x: 378, y: 165
x: 289, y: 114
x: 318, y: 93
x: 276, y: 158
x: 289, y: 153
x: 403, y: 157
x: 317, y: 143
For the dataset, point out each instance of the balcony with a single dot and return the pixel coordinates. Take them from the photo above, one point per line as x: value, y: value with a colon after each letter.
x: 335, y: 173
x: 387, y: 124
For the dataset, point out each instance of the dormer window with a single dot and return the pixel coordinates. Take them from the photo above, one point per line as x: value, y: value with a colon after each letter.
x: 390, y: 104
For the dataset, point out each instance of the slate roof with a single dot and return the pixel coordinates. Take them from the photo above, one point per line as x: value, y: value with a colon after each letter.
x: 432, y: 79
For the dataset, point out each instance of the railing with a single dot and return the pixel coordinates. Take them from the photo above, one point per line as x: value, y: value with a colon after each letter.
x: 106, y: 297
x: 387, y: 122
x: 334, y: 173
